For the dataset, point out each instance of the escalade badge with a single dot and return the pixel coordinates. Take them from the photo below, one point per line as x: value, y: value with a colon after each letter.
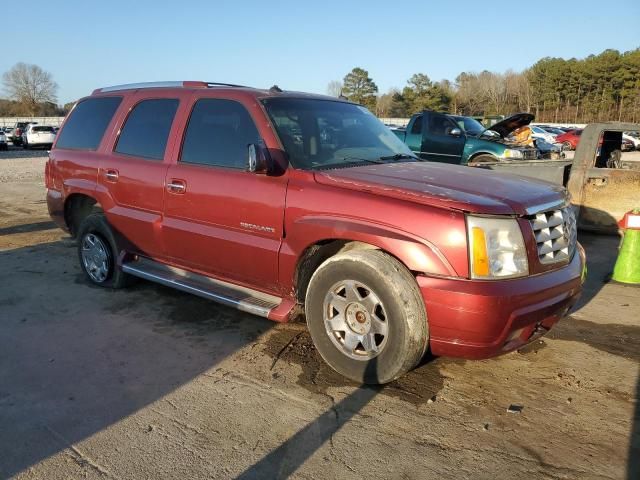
x: 259, y: 228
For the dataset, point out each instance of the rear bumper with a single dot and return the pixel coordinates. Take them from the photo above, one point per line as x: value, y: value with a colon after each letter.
x: 481, y: 319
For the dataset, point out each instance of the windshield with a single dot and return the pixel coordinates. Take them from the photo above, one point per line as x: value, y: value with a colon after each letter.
x: 469, y: 125
x: 325, y: 134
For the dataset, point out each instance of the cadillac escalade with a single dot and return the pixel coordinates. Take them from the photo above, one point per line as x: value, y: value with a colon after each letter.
x: 283, y: 203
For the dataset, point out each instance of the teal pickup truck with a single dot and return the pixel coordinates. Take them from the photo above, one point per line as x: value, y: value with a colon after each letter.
x: 462, y: 140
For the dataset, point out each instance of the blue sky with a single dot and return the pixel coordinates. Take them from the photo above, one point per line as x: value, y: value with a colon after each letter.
x: 303, y: 45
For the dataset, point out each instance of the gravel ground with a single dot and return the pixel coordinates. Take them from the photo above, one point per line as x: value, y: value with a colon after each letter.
x: 19, y: 164
x: 153, y: 383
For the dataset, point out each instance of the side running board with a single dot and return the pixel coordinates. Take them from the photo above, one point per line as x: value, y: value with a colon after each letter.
x: 235, y: 296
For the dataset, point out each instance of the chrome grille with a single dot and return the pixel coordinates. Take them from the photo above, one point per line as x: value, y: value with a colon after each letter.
x: 556, y: 234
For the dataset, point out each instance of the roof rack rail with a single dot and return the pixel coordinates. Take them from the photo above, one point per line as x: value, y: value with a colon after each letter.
x: 176, y: 84
x: 218, y: 84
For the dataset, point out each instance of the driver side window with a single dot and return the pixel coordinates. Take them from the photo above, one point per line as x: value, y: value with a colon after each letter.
x: 440, y: 125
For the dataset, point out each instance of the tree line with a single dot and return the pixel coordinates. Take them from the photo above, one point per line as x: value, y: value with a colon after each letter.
x: 31, y: 91
x: 600, y: 87
x: 596, y: 88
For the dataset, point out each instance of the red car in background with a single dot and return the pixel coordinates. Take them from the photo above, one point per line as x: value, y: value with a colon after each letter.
x: 570, y: 139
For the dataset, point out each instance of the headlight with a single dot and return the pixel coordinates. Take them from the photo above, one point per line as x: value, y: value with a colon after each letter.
x: 496, y: 248
x: 510, y: 153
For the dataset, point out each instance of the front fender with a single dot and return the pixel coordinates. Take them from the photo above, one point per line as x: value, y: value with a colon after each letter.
x: 417, y: 254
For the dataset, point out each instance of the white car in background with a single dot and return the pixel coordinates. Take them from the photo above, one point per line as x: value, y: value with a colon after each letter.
x: 38, y: 136
x: 3, y: 140
x: 633, y: 139
x: 537, y: 132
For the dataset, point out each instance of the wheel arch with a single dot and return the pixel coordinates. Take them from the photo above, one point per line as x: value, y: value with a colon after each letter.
x: 477, y: 154
x: 77, y: 207
x: 417, y: 255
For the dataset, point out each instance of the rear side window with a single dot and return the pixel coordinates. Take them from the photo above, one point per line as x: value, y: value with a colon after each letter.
x: 89, y: 119
x: 417, y: 125
x: 218, y: 133
x: 147, y: 127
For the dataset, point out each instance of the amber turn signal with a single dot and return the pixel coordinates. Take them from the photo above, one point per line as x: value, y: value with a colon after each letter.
x: 480, y: 257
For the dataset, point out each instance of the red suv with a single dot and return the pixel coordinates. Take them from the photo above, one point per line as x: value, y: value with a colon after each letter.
x: 280, y: 203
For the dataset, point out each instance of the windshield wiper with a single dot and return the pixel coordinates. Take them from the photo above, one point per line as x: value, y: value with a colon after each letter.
x: 400, y: 156
x: 347, y: 162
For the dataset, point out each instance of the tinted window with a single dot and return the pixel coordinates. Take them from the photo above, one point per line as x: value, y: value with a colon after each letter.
x: 417, y: 125
x: 146, y: 129
x: 42, y: 129
x: 88, y: 121
x: 218, y: 134
x: 439, y: 124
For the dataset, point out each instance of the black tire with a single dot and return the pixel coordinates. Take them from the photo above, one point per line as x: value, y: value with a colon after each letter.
x: 567, y: 146
x: 96, y: 225
x: 25, y: 145
x: 408, y: 333
x: 483, y: 158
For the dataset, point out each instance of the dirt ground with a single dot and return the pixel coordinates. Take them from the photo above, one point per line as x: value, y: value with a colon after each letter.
x: 153, y: 383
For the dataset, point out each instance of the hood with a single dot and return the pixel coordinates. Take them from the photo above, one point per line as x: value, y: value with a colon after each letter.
x: 468, y: 189
x: 508, y: 125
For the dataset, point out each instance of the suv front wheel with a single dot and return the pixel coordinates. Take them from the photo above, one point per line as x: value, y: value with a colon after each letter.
x: 366, y: 316
x: 98, y: 251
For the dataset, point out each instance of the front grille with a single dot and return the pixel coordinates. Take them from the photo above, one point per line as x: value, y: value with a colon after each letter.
x: 529, y: 154
x: 556, y: 235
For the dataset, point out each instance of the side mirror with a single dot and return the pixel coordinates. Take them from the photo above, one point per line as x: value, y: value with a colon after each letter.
x: 257, y: 158
x: 455, y: 132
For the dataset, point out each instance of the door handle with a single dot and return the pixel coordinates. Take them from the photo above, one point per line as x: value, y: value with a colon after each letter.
x: 177, y: 186
x: 111, y: 175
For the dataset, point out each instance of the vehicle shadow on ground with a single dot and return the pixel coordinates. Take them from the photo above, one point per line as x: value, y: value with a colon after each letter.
x: 86, y: 364
x: 27, y: 228
x: 290, y: 455
x: 75, y: 360
x: 602, y: 252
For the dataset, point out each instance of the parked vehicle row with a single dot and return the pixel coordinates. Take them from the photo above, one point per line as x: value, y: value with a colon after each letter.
x: 28, y: 135
x: 570, y: 137
x: 463, y: 140
x: 278, y: 203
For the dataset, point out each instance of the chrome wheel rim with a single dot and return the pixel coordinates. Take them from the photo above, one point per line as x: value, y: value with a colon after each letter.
x: 95, y: 257
x: 355, y: 320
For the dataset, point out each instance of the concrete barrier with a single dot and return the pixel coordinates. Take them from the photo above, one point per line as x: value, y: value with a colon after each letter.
x: 11, y: 121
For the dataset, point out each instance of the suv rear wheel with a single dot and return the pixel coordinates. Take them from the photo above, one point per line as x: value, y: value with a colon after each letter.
x: 366, y: 316
x: 98, y: 251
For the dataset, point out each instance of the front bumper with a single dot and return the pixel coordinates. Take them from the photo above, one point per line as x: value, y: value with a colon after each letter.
x: 482, y: 319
